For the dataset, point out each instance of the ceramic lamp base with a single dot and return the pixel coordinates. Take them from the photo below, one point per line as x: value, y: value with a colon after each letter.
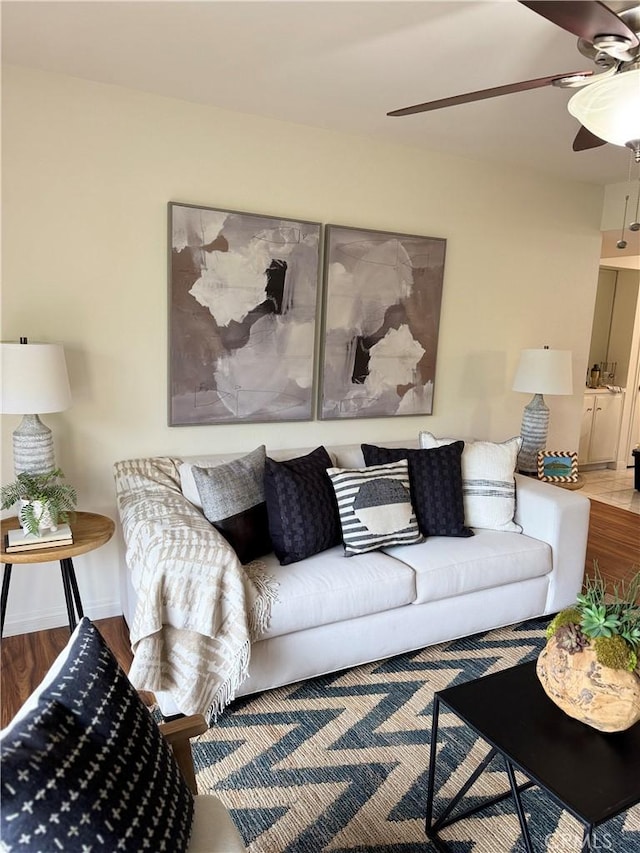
x: 33, y: 447
x: 535, y: 425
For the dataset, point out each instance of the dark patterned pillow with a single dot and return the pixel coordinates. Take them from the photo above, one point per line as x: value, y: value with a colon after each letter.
x: 232, y: 497
x: 84, y: 764
x: 488, y: 484
x: 375, y: 507
x: 301, y: 505
x: 436, y: 485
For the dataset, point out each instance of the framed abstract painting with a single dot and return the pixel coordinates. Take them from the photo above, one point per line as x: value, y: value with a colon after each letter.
x: 243, y: 290
x: 382, y: 297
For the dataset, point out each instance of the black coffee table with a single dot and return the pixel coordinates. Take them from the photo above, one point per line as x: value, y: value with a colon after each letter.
x: 594, y: 776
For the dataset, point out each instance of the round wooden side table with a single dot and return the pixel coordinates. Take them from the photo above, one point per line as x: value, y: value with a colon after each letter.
x: 89, y: 530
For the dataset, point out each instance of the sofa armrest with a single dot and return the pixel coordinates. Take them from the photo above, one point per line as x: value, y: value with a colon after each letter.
x: 559, y: 517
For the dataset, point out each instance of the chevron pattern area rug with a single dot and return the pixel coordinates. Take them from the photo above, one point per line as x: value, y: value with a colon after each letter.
x: 339, y: 763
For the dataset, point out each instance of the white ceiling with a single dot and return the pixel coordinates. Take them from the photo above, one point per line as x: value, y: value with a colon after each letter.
x: 334, y: 64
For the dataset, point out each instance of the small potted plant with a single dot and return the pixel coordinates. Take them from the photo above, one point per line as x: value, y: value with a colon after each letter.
x: 589, y: 666
x: 44, y: 500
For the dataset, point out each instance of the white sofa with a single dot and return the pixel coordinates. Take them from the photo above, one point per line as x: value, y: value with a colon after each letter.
x: 334, y: 612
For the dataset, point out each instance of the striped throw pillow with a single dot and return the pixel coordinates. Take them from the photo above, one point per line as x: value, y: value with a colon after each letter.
x: 375, y: 507
x: 488, y: 483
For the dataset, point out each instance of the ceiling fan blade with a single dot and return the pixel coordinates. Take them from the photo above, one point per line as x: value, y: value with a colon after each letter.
x: 586, y: 140
x: 485, y: 93
x: 584, y: 18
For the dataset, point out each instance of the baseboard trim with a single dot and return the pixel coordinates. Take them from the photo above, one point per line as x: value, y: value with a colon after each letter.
x: 43, y: 620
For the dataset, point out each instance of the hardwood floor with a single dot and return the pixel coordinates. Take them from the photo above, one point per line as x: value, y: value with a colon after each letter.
x: 27, y: 657
x: 614, y: 541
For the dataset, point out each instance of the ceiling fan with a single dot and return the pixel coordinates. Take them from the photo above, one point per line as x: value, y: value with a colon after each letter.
x: 612, y: 41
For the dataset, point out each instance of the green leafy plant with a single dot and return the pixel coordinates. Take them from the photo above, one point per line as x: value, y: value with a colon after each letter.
x: 40, y: 493
x: 610, y: 622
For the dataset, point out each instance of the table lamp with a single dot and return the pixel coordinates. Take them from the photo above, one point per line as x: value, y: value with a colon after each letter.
x: 540, y: 371
x: 34, y: 381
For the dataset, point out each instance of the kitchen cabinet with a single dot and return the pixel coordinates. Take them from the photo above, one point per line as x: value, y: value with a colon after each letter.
x: 599, y: 432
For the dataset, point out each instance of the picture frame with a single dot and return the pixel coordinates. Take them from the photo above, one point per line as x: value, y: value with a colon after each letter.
x: 557, y: 466
x: 243, y: 311
x: 381, y: 313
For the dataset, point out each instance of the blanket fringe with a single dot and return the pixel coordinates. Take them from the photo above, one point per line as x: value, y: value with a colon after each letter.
x: 258, y: 619
x: 266, y: 586
x: 226, y: 694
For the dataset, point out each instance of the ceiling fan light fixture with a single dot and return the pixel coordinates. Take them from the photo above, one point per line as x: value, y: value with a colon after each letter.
x: 610, y: 108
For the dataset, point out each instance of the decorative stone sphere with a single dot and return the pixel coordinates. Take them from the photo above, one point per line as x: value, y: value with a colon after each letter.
x: 605, y: 699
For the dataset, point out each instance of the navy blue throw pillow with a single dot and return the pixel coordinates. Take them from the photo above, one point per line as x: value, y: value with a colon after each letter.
x: 435, y: 477
x: 84, y: 766
x: 302, y: 507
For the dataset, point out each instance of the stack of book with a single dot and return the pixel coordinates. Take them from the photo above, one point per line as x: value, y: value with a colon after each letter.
x: 20, y: 540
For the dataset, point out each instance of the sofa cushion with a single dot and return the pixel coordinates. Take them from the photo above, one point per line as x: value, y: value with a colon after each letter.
x: 302, y: 509
x: 375, y: 507
x: 488, y: 484
x: 450, y: 567
x: 232, y: 498
x: 435, y: 476
x: 83, y: 760
x: 213, y: 828
x: 328, y: 588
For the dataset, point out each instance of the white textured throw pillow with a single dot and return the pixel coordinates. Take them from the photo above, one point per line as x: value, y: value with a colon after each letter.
x: 488, y: 484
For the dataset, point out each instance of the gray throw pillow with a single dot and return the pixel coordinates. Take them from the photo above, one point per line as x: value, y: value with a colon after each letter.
x: 232, y: 497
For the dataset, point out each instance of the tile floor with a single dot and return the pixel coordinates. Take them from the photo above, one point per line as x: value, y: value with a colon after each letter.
x: 612, y: 487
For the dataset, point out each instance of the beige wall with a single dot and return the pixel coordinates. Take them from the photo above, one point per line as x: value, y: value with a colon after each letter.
x: 88, y: 170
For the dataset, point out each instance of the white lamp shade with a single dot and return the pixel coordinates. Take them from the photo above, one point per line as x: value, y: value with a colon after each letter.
x: 610, y: 108
x: 34, y: 379
x: 544, y: 371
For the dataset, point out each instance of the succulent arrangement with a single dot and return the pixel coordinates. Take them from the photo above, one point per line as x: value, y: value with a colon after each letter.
x: 611, y: 624
x: 44, y: 499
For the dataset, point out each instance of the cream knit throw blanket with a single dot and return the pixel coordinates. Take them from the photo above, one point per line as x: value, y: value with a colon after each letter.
x: 198, y: 608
